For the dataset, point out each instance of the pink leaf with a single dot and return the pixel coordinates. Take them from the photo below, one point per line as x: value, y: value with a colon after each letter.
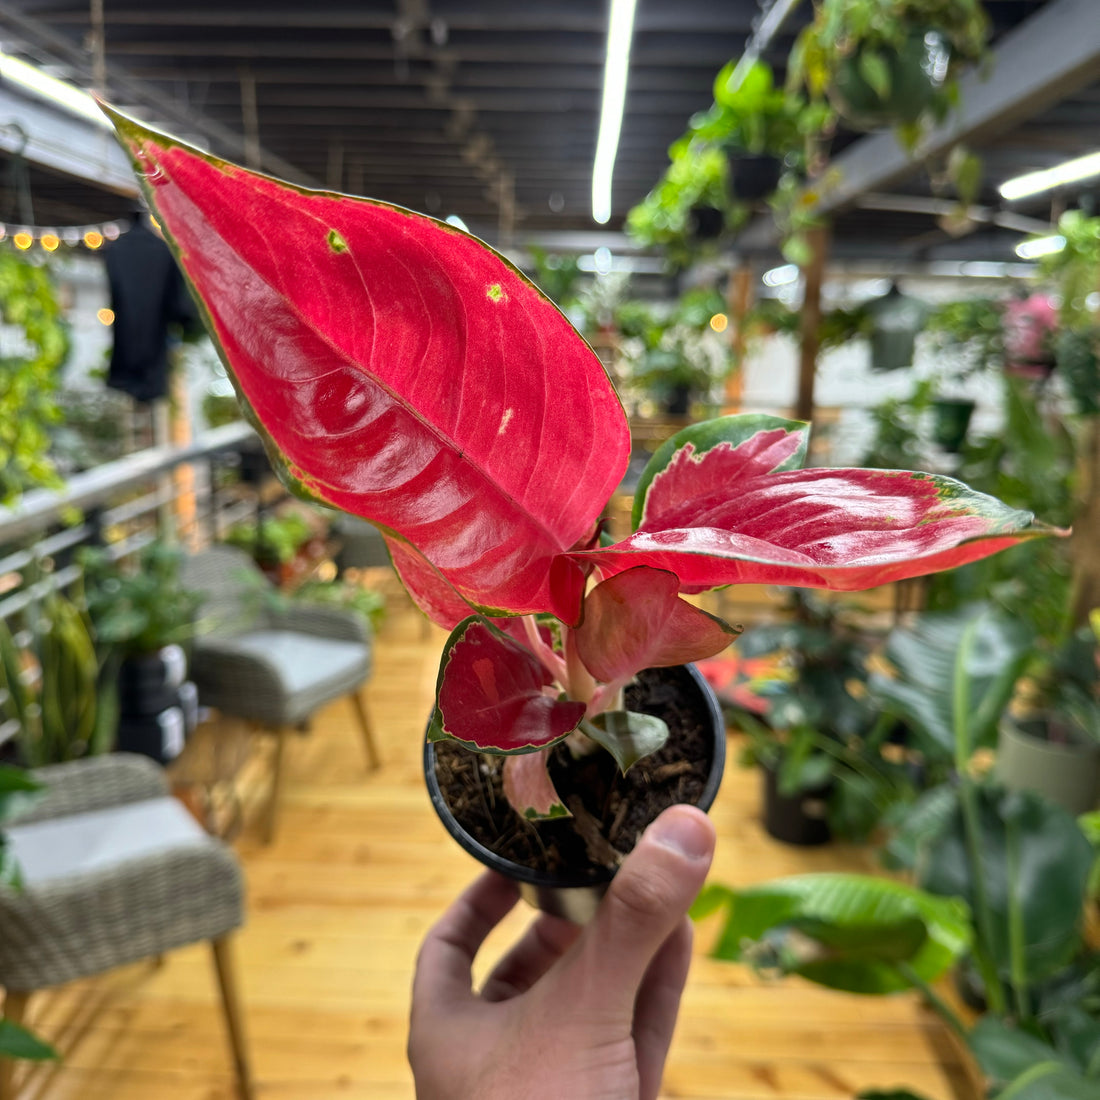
x: 427, y: 587
x: 400, y: 370
x: 820, y: 528
x: 636, y: 620
x: 716, y: 456
x: 495, y: 696
x: 529, y: 788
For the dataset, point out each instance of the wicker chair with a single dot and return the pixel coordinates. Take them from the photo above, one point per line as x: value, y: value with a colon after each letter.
x: 114, y: 871
x: 273, y: 668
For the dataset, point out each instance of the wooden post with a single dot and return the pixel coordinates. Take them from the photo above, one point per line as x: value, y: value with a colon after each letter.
x: 814, y: 273
x: 739, y: 297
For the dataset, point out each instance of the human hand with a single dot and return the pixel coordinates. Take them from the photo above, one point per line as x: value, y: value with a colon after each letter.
x: 568, y: 1013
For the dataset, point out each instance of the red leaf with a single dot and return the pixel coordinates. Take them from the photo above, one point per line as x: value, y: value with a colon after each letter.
x: 401, y: 369
x: 636, y: 620
x: 427, y: 587
x: 529, y: 788
x: 820, y: 528
x: 716, y: 456
x: 490, y: 694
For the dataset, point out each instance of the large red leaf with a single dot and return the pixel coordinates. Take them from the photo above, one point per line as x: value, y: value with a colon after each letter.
x: 490, y: 694
x: 821, y: 528
x: 637, y: 620
x: 400, y: 369
x: 716, y: 456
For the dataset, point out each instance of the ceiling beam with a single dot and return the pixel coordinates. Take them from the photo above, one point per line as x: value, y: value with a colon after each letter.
x: 1048, y: 57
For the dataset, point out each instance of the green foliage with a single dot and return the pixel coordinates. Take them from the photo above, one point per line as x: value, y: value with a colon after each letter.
x: 29, y: 376
x: 18, y: 1042
x: 759, y: 118
x: 556, y: 276
x: 350, y: 597
x: 973, y: 329
x: 698, y: 176
x: 274, y: 540
x: 868, y: 41
x: 897, y: 443
x: 1029, y: 464
x: 845, y: 931
x: 141, y: 608
x: 1076, y: 268
x: 976, y: 654
x: 838, y: 326
x: 219, y: 409
x: 52, y: 687
x: 18, y: 792
x: 821, y: 727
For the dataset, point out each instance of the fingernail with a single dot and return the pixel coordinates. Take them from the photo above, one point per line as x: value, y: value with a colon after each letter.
x: 685, y: 831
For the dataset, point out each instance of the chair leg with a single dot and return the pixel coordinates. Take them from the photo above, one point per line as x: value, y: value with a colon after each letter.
x: 374, y: 761
x: 272, y: 817
x: 15, y: 1009
x: 234, y: 1016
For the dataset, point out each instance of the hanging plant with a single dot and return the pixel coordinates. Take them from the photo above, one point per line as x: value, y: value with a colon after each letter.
x: 889, y: 62
x: 32, y: 352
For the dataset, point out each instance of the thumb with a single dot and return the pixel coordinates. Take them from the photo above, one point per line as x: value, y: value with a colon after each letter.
x: 645, y: 903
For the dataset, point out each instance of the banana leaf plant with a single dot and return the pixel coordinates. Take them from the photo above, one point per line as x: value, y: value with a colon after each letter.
x: 401, y: 370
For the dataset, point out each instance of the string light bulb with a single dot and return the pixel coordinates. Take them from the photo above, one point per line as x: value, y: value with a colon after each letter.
x: 50, y: 241
x: 93, y: 239
x: 23, y: 241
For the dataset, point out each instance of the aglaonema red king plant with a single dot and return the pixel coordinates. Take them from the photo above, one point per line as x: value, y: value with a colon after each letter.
x: 401, y: 370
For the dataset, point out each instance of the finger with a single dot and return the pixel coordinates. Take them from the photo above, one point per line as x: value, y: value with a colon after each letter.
x: 657, y: 1006
x: 544, y: 942
x: 646, y: 901
x: 442, y: 975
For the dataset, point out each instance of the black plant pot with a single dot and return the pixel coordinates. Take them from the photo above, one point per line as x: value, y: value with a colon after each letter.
x: 157, y: 706
x: 795, y: 819
x: 149, y: 682
x: 574, y: 896
x: 677, y: 401
x: 951, y: 422
x: 755, y: 177
x: 707, y: 222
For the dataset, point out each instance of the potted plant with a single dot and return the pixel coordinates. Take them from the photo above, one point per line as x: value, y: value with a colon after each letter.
x: 820, y: 744
x: 142, y: 616
x: 692, y: 206
x: 441, y: 396
x: 889, y: 62
x: 1052, y: 745
x: 54, y: 692
x: 280, y: 544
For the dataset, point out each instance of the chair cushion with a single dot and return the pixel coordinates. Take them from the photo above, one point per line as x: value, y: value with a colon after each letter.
x: 101, y: 839
x: 309, y: 672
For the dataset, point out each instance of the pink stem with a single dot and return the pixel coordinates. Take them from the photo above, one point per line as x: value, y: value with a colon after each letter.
x: 550, y: 660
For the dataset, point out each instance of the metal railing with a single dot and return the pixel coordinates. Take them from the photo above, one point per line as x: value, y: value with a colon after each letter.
x: 167, y: 492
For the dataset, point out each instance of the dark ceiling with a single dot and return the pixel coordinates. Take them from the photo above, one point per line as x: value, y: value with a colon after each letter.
x: 454, y: 107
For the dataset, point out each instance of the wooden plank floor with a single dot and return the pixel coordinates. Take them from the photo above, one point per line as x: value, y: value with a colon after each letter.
x: 338, y: 906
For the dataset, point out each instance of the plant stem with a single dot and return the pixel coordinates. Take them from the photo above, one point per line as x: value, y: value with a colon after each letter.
x: 942, y: 1008
x: 1016, y: 946
x: 968, y: 803
x: 1030, y: 1075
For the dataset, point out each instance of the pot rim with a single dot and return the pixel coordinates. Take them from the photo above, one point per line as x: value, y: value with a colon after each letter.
x: 1078, y: 746
x: 521, y: 873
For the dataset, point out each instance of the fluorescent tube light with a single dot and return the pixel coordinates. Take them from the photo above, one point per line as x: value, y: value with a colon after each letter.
x: 1040, y: 246
x: 60, y: 92
x: 1069, y: 171
x: 782, y: 276
x: 619, y: 33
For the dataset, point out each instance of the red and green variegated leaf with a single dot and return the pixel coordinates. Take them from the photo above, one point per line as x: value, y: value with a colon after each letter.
x: 627, y: 735
x: 716, y: 456
x: 494, y: 695
x: 637, y: 620
x: 820, y: 528
x: 427, y: 587
x: 529, y: 788
x: 401, y: 369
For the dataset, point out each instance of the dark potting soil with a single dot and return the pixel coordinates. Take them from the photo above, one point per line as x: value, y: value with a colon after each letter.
x: 610, y: 810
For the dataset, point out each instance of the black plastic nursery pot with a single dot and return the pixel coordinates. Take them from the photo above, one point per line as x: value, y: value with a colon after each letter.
x: 576, y: 896
x: 799, y: 818
x: 951, y: 422
x: 754, y: 176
